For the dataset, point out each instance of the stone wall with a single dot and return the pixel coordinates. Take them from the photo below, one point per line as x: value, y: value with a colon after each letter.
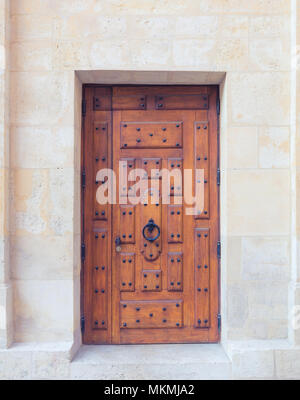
x: 249, y: 41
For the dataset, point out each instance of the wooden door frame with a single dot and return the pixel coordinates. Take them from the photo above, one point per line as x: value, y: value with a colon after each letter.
x: 83, y: 122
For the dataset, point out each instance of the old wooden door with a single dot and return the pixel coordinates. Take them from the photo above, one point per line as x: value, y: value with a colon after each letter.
x: 150, y: 270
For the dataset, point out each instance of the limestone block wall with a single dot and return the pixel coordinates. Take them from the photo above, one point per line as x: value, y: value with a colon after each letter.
x: 6, y: 311
x: 250, y: 41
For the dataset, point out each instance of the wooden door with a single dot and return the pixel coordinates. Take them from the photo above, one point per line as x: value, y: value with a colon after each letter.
x: 150, y: 269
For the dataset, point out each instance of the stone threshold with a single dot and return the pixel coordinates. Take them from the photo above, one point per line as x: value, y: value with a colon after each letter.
x: 167, y: 362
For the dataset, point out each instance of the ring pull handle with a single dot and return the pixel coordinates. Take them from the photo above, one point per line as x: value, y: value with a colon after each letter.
x: 150, y: 227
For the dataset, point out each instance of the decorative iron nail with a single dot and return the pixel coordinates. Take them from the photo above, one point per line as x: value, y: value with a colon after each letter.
x: 172, y: 260
x: 151, y: 255
x: 172, y: 283
x: 96, y: 213
x: 103, y: 268
x: 103, y: 322
x: 142, y: 105
x: 199, y: 321
x: 177, y: 305
x: 124, y: 236
x: 177, y: 324
x: 103, y: 213
x: 178, y: 212
x: 97, y: 268
x: 130, y: 284
x: 102, y: 291
x: 177, y: 144
x: 145, y: 287
x: 199, y: 235
x: 199, y: 158
x: 124, y: 261
x: 96, y: 236
x: 96, y: 291
x: 96, y: 322
x: 151, y: 315
x: 205, y: 212
x: 172, y: 165
x: 205, y: 290
x: 199, y: 266
x: 125, y: 145
x: 125, y: 126
x: 157, y: 244
x: 206, y: 321
x: 124, y: 305
x: 123, y: 284
x: 164, y: 321
x: 130, y: 236
x: 177, y: 126
x: 160, y: 105
x: 164, y: 140
x: 103, y: 236
x: 157, y: 286
x: 178, y: 283
x: 138, y: 129
x: 137, y: 321
x: 172, y: 213
x: 157, y: 162
x: 130, y: 212
x: 164, y: 309
x: 199, y: 290
x: 124, y: 213
x: 125, y: 324
x: 103, y: 159
x: 164, y: 129
x: 130, y: 261
x: 178, y: 260
x: 205, y: 266
x: 198, y: 127
x: 97, y: 159
x: 157, y: 275
x: 138, y: 140
x: 145, y: 275
x: 137, y: 309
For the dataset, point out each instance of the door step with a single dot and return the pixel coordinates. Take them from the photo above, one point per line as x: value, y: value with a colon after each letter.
x: 157, y: 362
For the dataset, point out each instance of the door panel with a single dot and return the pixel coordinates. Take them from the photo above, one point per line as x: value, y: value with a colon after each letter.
x: 151, y: 271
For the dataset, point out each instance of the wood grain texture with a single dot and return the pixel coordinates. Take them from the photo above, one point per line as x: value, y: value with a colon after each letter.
x: 160, y: 278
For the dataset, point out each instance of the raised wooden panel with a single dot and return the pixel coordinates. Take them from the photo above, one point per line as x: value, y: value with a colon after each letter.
x: 127, y: 272
x: 175, y: 218
x: 151, y: 212
x: 140, y: 135
x: 175, y: 272
x: 102, y: 103
x: 150, y: 165
x: 151, y: 314
x: 151, y: 281
x: 127, y: 224
x: 100, y: 268
x: 100, y: 162
x: 202, y: 162
x: 202, y: 282
x: 175, y: 166
x: 182, y: 102
x: 135, y: 102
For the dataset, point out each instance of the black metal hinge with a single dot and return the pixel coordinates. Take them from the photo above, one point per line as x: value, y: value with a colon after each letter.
x: 219, y: 249
x: 82, y: 324
x: 218, y: 106
x: 82, y: 252
x: 83, y: 176
x: 83, y: 105
x: 218, y: 177
x: 219, y: 322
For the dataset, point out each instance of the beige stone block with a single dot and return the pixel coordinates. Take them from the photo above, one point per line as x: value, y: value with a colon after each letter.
x: 40, y: 7
x: 268, y: 301
x: 150, y: 52
x: 288, y: 363
x: 36, y: 257
x: 242, y: 147
x: 268, y: 26
x: 269, y: 54
x: 251, y: 364
x: 232, y: 54
x: 50, y: 366
x: 42, y: 147
x: 4, y: 259
x: 43, y: 201
x: 151, y: 26
x: 31, y: 27
x: 6, y: 321
x: 265, y: 258
x: 256, y: 6
x: 234, y: 247
x: 4, y: 202
x: 109, y: 54
x: 233, y: 26
x: 43, y: 310
x: 198, y: 53
x: 237, y: 306
x: 197, y: 26
x: 274, y: 147
x: 258, y: 202
x: 42, y: 98
x: 70, y: 55
x: 31, y: 56
x: 15, y: 366
x: 260, y: 98
x: 61, y: 201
